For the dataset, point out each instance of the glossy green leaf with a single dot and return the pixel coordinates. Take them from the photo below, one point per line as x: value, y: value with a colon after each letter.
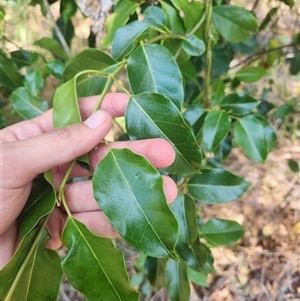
x: 26, y: 276
x: 118, y: 18
x: 94, y: 266
x: 216, y: 186
x: 250, y: 74
x: 239, y: 105
x: 10, y: 76
x: 224, y: 148
x: 215, y: 128
x: 41, y: 202
x: 155, y: 16
x: 217, y: 92
x: 289, y: 3
x: 65, y: 105
x: 193, y: 46
x: 90, y: 84
x: 175, y: 22
x: 154, y: 270
x: 192, y: 11
x: 23, y: 57
x: 234, y: 23
x: 220, y: 232
x: 208, y: 267
x: 92, y: 60
x: 249, y: 134
x: 269, y: 132
x: 198, y: 278
x: 26, y: 104
x: 178, y: 285
x: 146, y: 118
x: 55, y: 68
x: 126, y: 38
x: 125, y: 180
x: 185, y: 212
x: 194, y: 256
x: 145, y: 72
x: 53, y: 46
x: 34, y: 81
x: 195, y: 115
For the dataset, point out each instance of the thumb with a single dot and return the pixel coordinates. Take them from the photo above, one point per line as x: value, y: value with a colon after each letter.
x: 41, y: 153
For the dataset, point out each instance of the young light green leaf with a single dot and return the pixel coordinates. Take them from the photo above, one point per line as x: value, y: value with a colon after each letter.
x: 129, y: 190
x: 216, y: 186
x: 89, y: 59
x: 53, y: 46
x: 249, y: 134
x: 155, y: 16
x: 193, y: 46
x: 34, y: 81
x: 234, y: 23
x: 40, y: 202
x: 250, y: 74
x: 154, y: 269
x: 26, y: 276
x: 126, y: 37
x: 195, y: 256
x: 185, y: 212
x: 145, y: 72
x: 178, y: 285
x: 94, y: 266
x: 215, y: 128
x: 118, y: 18
x: 26, y: 104
x: 220, y: 232
x: 239, y: 105
x: 175, y: 22
x: 146, y: 118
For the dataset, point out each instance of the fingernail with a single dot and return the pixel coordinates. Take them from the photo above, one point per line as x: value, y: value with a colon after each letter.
x: 97, y: 119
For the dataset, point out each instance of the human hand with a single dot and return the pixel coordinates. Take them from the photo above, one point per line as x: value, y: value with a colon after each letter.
x: 32, y: 147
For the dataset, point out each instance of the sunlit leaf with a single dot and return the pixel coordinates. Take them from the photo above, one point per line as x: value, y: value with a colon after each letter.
x: 234, y: 23
x: 146, y: 118
x: 145, y: 72
x: 26, y: 104
x: 94, y: 266
x: 129, y: 190
x: 216, y: 186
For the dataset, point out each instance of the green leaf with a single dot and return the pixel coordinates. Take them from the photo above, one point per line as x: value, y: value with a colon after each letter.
x: 90, y: 84
x: 118, y: 18
x: 53, y: 46
x: 154, y: 269
x: 23, y: 57
x: 126, y: 38
x: 217, y: 92
x: 10, y: 76
x: 55, y: 68
x: 294, y: 64
x: 155, y: 16
x: 250, y: 74
x: 175, y: 22
x: 234, y: 23
x: 146, y: 118
x: 220, y: 232
x: 246, y: 47
x: 270, y: 134
x: 94, y: 266
x: 92, y: 60
x: 145, y: 72
x: 41, y: 202
x: 239, y: 105
x: 195, y: 115
x: 185, y: 212
x: 249, y: 134
x: 26, y: 276
x: 193, y: 46
x: 283, y: 110
x: 34, y: 81
x: 216, y: 186
x: 198, y: 278
x: 215, y: 128
x: 224, y: 149
x: 272, y: 12
x: 293, y: 165
x: 289, y: 3
x: 195, y: 256
x: 125, y: 180
x: 192, y: 11
x: 26, y: 104
x: 65, y: 105
x: 178, y: 286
